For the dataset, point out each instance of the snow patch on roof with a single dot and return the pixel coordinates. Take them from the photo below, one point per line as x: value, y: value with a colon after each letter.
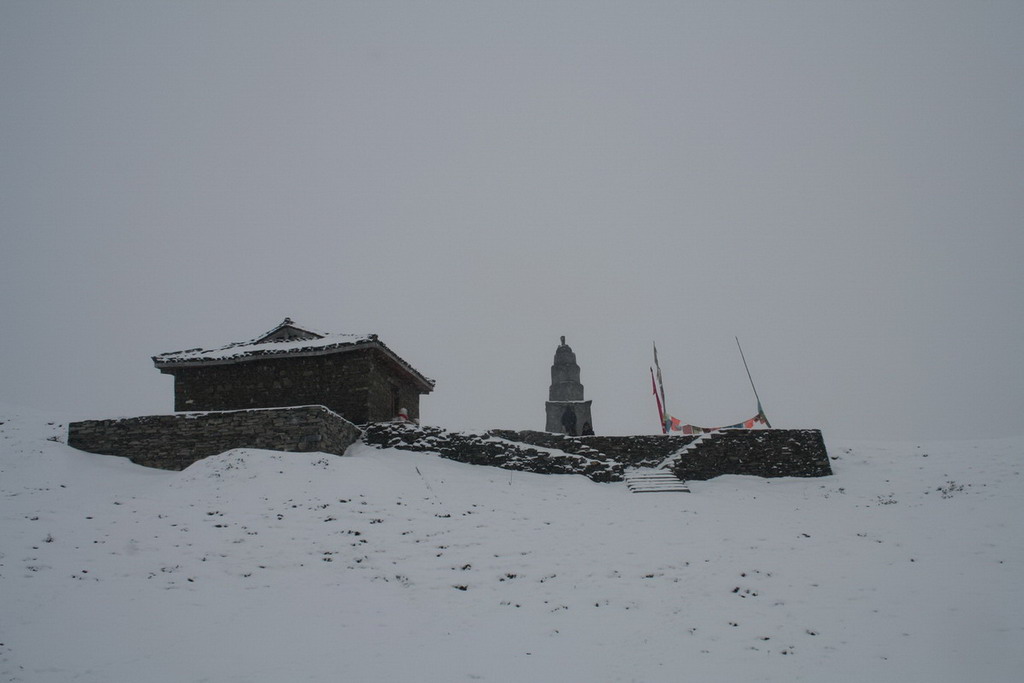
x: 318, y: 342
x: 307, y: 343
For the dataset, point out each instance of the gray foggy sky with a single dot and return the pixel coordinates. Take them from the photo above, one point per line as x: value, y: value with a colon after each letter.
x: 841, y: 185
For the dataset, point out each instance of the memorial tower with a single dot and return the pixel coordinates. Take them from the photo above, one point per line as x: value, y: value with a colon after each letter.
x: 567, y: 412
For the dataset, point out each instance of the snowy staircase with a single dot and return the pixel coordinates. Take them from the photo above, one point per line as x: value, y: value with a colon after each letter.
x: 660, y: 477
x: 648, y: 480
x: 678, y: 455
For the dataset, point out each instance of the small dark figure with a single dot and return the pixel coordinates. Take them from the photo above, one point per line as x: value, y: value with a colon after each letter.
x: 569, y: 421
x: 587, y: 430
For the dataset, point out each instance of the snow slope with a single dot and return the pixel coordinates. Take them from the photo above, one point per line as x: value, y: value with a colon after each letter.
x: 254, y: 566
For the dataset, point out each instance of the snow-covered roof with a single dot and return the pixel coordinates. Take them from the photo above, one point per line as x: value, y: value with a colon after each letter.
x: 287, y: 339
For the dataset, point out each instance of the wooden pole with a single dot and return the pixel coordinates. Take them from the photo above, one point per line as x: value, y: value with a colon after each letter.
x: 661, y: 385
x: 760, y: 410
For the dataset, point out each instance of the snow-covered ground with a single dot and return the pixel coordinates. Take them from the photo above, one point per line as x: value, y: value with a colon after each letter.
x: 907, y: 565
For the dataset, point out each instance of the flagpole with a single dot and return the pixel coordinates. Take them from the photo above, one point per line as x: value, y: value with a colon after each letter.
x: 760, y: 410
x: 661, y: 384
x: 661, y: 413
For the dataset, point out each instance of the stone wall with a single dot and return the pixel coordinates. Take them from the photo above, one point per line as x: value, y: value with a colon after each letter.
x: 385, y: 388
x: 176, y: 441
x: 765, y: 453
x: 355, y: 384
x: 758, y: 452
x: 173, y: 442
x: 494, y: 450
x: 631, y: 451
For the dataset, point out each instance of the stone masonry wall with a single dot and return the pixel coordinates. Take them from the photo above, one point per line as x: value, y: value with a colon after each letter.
x: 381, y: 381
x: 759, y: 452
x: 765, y: 453
x: 173, y: 442
x: 631, y: 451
x: 355, y: 384
x: 492, y: 449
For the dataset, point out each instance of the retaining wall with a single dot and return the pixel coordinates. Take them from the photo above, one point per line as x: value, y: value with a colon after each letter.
x: 173, y: 442
x: 765, y: 453
x: 492, y: 449
x: 644, y: 450
x: 758, y: 452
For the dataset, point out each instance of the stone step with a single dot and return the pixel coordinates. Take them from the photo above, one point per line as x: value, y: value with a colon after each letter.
x: 659, y: 487
x: 652, y: 476
x: 675, y: 490
x: 678, y: 488
x: 654, y: 481
x: 686, y: 450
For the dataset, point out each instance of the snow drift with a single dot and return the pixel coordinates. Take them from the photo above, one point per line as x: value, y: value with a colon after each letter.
x: 388, y: 566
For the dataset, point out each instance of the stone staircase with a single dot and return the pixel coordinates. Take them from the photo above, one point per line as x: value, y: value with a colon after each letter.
x: 681, y: 453
x: 660, y: 477
x: 650, y: 480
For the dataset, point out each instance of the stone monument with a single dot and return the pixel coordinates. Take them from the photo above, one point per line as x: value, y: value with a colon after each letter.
x: 567, y: 412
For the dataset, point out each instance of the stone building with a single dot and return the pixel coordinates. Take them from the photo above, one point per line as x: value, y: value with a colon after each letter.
x: 567, y: 412
x: 356, y: 376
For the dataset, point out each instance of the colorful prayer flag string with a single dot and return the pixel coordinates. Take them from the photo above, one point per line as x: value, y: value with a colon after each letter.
x: 759, y: 421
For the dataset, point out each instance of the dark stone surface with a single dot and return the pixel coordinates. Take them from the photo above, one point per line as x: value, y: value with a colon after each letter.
x: 491, y: 449
x: 631, y: 451
x: 765, y: 453
x: 173, y: 442
x: 362, y: 385
x: 176, y: 441
x: 758, y: 452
